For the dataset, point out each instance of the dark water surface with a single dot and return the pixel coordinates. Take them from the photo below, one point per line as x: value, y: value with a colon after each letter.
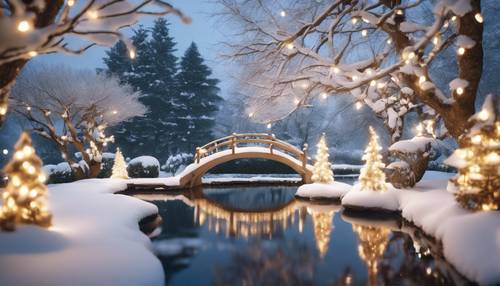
x: 263, y: 236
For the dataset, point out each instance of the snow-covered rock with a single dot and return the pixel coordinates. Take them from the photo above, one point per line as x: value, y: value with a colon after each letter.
x: 317, y: 191
x: 368, y: 199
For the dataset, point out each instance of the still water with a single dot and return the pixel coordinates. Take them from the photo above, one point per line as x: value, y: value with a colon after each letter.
x: 263, y: 236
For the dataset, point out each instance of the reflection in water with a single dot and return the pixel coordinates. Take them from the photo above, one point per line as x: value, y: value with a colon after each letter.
x: 372, y: 244
x: 276, y: 240
x: 322, y: 217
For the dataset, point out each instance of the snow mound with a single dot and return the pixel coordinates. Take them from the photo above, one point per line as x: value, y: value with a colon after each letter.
x: 176, y: 246
x: 145, y: 161
x: 334, y: 190
x: 413, y: 145
x: 370, y: 199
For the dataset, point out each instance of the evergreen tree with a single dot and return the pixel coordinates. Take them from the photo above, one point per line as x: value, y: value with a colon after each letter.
x: 118, y: 62
x: 119, y: 166
x: 24, y: 196
x: 322, y: 171
x: 152, y: 72
x: 371, y: 176
x: 198, y: 98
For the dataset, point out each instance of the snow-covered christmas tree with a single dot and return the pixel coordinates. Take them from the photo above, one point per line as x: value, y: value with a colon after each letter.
x: 119, y: 167
x: 322, y: 172
x: 24, y: 196
x: 477, y: 184
x: 371, y: 175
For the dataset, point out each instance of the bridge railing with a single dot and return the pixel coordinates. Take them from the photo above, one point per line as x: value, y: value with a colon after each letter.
x: 232, y: 142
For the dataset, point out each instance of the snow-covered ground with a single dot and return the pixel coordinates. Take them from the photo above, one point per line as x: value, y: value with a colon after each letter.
x: 331, y: 191
x: 95, y: 240
x: 471, y: 240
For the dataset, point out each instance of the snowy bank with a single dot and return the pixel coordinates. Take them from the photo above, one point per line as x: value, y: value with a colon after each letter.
x: 471, y: 240
x: 318, y: 191
x: 95, y: 240
x: 371, y: 200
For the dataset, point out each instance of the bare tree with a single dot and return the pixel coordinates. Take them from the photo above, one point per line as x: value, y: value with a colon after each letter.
x: 381, y: 52
x: 30, y: 28
x: 73, y: 108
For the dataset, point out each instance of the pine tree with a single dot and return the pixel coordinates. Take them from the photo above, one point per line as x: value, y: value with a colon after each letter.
x: 152, y: 72
x: 119, y: 166
x: 477, y: 184
x: 118, y: 61
x: 371, y: 175
x: 199, y: 99
x: 24, y: 196
x: 322, y: 171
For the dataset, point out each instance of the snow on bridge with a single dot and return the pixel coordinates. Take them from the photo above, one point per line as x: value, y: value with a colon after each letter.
x: 239, y: 146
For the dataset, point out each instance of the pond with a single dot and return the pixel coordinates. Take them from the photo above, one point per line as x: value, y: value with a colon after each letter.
x: 263, y: 236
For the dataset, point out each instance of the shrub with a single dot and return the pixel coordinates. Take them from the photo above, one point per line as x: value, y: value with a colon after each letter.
x: 175, y: 162
x: 60, y: 173
x: 144, y: 167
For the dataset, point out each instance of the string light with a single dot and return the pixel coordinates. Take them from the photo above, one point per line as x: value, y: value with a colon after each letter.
x: 3, y: 109
x: 5, y: 151
x: 373, y: 83
x: 131, y: 53
x: 479, y: 17
x: 354, y: 77
x: 381, y: 84
x: 422, y: 79
x: 358, y: 105
x: 454, y: 18
x: 250, y: 114
x: 354, y: 20
x: 296, y: 101
x: 70, y: 3
x: 93, y: 14
x: 283, y: 13
x: 32, y: 54
x: 269, y: 125
x: 28, y: 108
x: 24, y: 26
x: 399, y: 12
x: 389, y: 41
x: 335, y: 70
x: 435, y: 40
x: 483, y: 115
x: 460, y: 90
x: 115, y: 112
x: 364, y: 33
x: 461, y: 51
x: 289, y: 46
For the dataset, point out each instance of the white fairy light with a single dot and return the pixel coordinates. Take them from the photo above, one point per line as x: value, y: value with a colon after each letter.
x: 422, y: 79
x: 324, y: 95
x: 364, y: 33
x: 250, y: 114
x: 93, y: 14
x: 114, y: 111
x: 389, y: 41
x: 358, y: 105
x: 296, y: 101
x: 335, y: 70
x: 70, y: 3
x: 460, y: 90
x: 479, y: 17
x: 289, y: 46
x: 373, y: 83
x: 483, y: 115
x: 28, y: 108
x: 381, y: 84
x: 269, y: 125
x: 5, y: 151
x: 461, y: 51
x: 454, y: 18
x: 24, y: 26
x: 354, y: 20
x: 32, y: 54
x: 131, y: 53
x: 283, y: 13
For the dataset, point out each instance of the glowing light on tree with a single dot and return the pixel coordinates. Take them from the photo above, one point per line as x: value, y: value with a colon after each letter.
x: 322, y: 224
x: 371, y: 175
x: 322, y: 169
x: 24, y: 196
x: 477, y: 184
x: 119, y: 166
x: 372, y: 245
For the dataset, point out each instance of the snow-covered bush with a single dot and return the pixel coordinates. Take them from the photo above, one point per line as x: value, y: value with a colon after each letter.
x: 108, y: 159
x: 177, y: 162
x: 60, y: 173
x: 144, y: 167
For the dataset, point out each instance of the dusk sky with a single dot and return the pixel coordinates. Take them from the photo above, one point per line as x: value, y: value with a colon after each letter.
x: 203, y: 30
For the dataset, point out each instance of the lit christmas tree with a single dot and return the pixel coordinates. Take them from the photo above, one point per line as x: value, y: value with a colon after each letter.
x: 477, y: 184
x: 322, y: 171
x: 24, y: 196
x: 372, y: 244
x: 371, y: 176
x: 119, y: 167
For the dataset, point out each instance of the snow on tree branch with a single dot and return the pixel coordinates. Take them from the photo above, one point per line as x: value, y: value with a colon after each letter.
x: 73, y: 108
x: 371, y: 49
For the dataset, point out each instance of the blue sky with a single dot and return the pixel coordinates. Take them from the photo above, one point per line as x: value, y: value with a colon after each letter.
x: 204, y: 31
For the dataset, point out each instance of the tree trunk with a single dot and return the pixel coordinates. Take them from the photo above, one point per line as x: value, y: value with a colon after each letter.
x: 8, y: 74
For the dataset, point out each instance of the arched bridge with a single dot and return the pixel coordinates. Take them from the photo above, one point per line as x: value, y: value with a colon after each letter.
x: 239, y: 146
